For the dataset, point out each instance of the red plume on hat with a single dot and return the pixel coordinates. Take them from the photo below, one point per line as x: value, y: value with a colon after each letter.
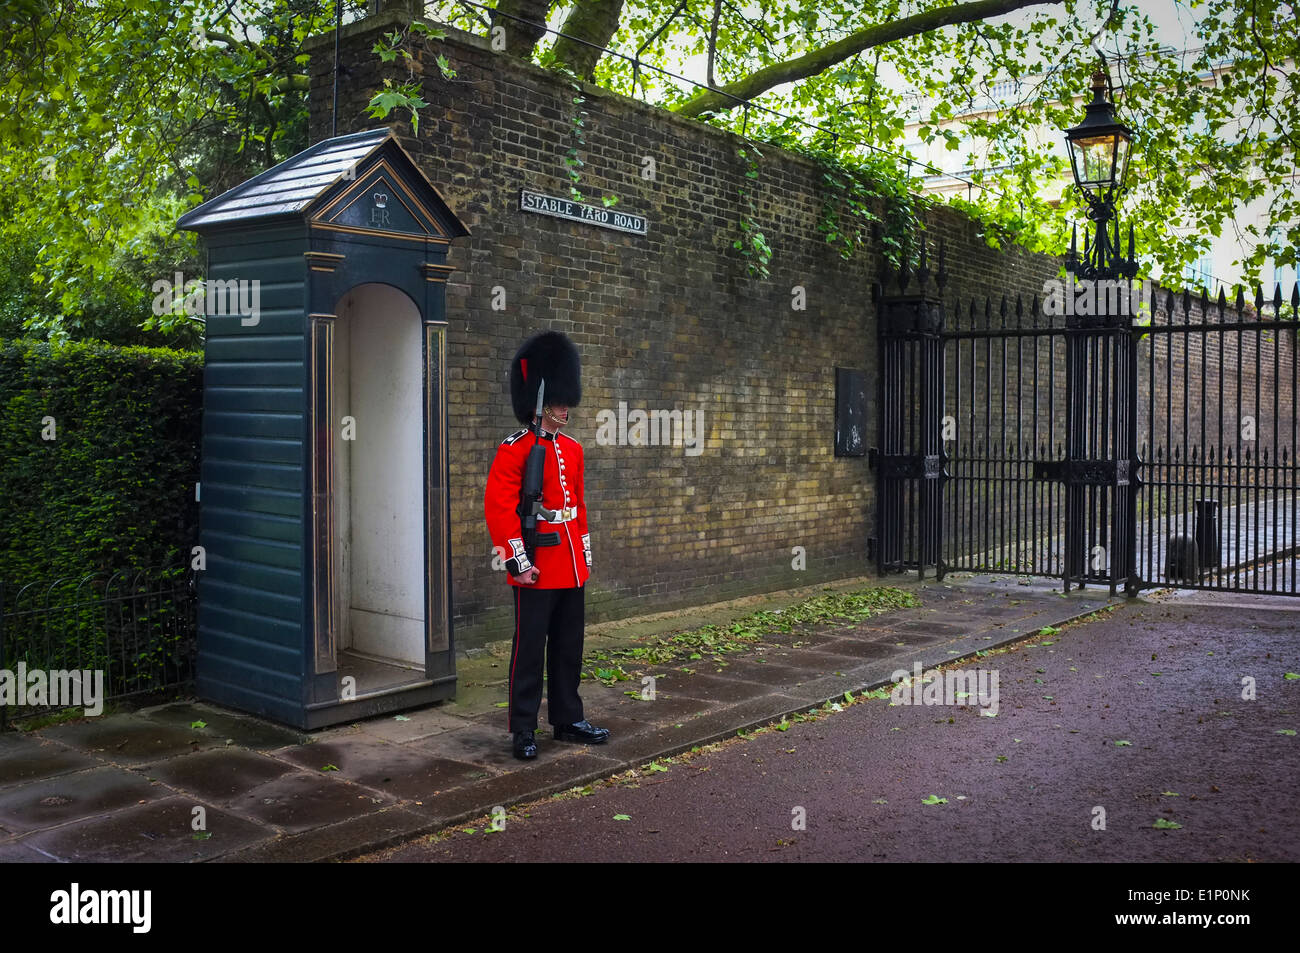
x: 551, y: 356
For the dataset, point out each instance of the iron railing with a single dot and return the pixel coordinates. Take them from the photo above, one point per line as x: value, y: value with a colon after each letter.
x: 1150, y: 447
x: 136, y: 627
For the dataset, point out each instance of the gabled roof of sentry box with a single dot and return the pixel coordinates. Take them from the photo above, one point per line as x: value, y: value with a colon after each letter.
x: 307, y: 186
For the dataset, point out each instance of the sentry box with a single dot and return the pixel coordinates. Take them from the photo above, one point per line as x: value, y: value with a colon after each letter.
x: 323, y: 496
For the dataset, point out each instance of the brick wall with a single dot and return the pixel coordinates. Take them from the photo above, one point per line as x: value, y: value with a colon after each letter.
x: 664, y: 322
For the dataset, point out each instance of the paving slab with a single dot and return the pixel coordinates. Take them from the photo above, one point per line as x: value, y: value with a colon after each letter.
x: 817, y: 662
x: 298, y: 802
x: 916, y: 637
x: 128, y: 738
x: 417, y: 725
x: 814, y: 636
x: 667, y: 708
x: 54, y: 801
x: 856, y: 648
x: 159, y: 831
x: 402, y: 771
x: 220, y: 725
x: 633, y: 747
x: 536, y: 779
x: 927, y: 627
x: 219, y: 774
x: 665, y: 740
x: 814, y: 691
x: 718, y: 688
x: 30, y: 759
x: 771, y: 674
x: 336, y: 842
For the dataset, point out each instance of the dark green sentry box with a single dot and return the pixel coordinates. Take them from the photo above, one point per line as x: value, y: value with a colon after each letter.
x: 323, y: 497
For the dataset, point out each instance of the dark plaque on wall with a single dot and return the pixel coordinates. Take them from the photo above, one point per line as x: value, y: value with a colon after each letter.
x: 557, y: 207
x: 850, y: 412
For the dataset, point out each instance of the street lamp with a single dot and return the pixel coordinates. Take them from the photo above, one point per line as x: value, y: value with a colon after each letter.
x: 1099, y: 153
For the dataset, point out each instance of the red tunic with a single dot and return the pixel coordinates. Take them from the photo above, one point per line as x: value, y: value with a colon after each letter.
x: 566, y: 565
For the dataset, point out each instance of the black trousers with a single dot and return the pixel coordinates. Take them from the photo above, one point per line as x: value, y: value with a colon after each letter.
x: 547, y: 622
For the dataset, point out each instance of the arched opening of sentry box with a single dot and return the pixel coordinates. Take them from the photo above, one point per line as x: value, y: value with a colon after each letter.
x: 379, y: 487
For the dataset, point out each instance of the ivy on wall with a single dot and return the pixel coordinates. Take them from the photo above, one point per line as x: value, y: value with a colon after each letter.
x: 752, y: 243
x: 863, y: 202
x: 864, y: 199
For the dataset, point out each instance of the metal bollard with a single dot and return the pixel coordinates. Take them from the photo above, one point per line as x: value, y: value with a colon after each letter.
x: 1206, y: 533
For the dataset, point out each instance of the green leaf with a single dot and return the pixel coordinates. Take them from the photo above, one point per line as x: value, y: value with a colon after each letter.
x: 1166, y: 825
x: 330, y: 767
x: 382, y: 103
x: 1290, y: 732
x: 935, y: 799
x: 1123, y: 744
x: 198, y: 724
x: 622, y: 817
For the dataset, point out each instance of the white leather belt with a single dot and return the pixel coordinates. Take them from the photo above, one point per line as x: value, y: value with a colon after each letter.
x: 561, y: 515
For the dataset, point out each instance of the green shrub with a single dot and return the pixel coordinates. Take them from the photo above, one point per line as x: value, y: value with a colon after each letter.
x: 114, y: 489
x: 111, y: 494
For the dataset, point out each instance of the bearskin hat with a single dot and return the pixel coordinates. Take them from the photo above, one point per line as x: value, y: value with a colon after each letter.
x: 548, y: 356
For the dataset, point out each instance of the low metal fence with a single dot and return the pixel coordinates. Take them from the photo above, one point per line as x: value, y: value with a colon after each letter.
x: 102, y: 637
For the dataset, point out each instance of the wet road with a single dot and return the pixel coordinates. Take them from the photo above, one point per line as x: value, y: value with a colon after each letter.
x: 1135, y: 718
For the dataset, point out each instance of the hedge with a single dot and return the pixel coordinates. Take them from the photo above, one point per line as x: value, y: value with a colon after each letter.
x: 114, y: 489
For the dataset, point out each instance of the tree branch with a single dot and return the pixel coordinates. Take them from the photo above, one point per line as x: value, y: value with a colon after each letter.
x: 713, y: 38
x: 524, y: 22
x: 810, y: 64
x: 596, y: 22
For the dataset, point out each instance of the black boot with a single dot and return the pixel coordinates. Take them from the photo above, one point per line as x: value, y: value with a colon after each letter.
x: 525, y: 746
x: 583, y: 732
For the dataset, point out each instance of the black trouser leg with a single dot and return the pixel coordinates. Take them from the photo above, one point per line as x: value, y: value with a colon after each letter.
x: 564, y: 657
x: 533, y: 609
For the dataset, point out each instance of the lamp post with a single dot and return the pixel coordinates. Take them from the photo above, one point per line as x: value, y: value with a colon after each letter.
x: 1099, y: 154
x: 1101, y: 463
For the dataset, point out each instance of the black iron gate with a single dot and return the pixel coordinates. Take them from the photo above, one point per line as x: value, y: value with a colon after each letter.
x: 1105, y: 434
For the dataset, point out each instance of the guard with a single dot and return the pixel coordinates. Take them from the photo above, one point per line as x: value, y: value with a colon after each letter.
x: 537, y: 518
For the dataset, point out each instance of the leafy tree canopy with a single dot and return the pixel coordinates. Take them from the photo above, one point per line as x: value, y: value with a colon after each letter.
x: 117, y: 115
x: 1217, y: 113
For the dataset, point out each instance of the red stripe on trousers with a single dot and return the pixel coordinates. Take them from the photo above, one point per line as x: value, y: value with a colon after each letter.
x: 511, y: 691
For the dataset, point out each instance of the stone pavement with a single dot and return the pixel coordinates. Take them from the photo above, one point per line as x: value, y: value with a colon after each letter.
x: 134, y: 786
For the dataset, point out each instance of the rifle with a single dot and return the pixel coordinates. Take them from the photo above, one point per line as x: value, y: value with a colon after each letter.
x: 530, y: 494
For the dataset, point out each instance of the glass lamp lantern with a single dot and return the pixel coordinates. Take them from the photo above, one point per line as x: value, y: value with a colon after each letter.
x: 1099, y: 146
